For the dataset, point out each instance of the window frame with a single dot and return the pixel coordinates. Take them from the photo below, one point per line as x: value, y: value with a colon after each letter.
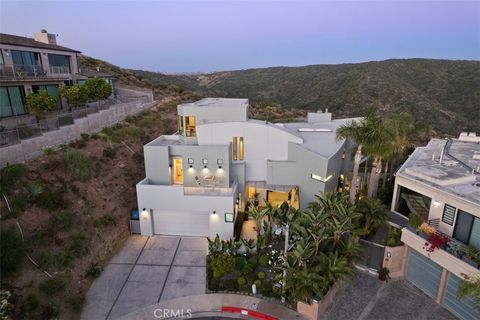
x: 241, y: 149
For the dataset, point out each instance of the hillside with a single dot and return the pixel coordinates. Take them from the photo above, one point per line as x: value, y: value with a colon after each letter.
x: 443, y: 94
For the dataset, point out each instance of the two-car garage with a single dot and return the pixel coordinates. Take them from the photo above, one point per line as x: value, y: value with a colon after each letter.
x: 189, y: 223
x: 426, y: 275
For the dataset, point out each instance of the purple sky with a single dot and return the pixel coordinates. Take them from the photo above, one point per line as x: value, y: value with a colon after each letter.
x: 193, y: 36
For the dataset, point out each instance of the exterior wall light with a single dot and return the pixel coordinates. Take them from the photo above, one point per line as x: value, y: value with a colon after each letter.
x: 219, y: 161
x: 191, y: 166
x: 219, y: 167
x: 214, y: 212
x: 436, y: 203
x: 145, y: 215
x: 205, y: 161
x: 190, y: 161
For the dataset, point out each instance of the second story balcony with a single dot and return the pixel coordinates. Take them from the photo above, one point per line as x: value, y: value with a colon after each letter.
x: 18, y: 72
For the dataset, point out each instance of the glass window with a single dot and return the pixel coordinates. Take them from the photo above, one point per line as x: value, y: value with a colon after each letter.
x: 26, y: 58
x: 177, y: 171
x: 410, y: 201
x: 180, y: 123
x: 59, y: 63
x: 448, y: 214
x: 467, y: 229
x: 12, y: 101
x: 52, y: 89
x: 1, y: 57
x: 235, y: 155
x: 241, y: 148
x: 190, y: 126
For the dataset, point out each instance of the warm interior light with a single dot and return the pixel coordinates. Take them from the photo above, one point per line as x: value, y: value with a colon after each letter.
x: 321, y: 179
x: 144, y: 214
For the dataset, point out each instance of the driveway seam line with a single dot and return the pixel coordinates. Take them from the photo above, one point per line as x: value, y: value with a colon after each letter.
x: 126, y: 280
x: 169, y: 269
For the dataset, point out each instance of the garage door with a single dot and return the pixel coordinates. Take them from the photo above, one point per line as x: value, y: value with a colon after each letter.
x: 464, y: 308
x: 189, y: 223
x: 423, y: 273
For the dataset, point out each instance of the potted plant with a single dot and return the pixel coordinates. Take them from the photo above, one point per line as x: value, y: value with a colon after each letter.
x: 384, y: 274
x: 472, y: 256
x: 414, y: 221
x: 426, y: 230
x: 435, y: 241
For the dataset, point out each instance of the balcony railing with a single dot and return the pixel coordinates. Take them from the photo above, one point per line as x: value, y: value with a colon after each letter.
x: 211, y: 191
x: 29, y: 72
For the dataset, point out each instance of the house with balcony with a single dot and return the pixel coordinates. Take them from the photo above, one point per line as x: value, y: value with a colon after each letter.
x: 31, y: 64
x: 220, y: 161
x: 440, y: 183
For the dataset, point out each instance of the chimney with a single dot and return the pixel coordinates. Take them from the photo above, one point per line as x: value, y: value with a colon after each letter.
x: 45, y: 37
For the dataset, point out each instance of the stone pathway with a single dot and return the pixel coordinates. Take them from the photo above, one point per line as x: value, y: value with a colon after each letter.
x: 147, y: 270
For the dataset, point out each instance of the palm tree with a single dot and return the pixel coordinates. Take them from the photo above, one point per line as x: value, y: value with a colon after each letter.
x: 393, y: 139
x: 303, y: 284
x: 470, y: 287
x: 258, y: 215
x: 364, y: 133
x: 373, y: 214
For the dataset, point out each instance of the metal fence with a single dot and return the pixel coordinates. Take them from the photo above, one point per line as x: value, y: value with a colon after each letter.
x: 11, y: 136
x: 373, y: 254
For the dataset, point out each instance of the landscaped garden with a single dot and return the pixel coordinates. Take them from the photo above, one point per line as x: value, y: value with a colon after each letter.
x: 298, y: 255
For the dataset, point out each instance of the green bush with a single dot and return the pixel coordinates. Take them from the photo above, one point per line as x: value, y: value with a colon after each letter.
x: 394, y: 238
x: 261, y: 275
x: 217, y: 274
x: 9, y: 176
x: 213, y: 284
x: 104, y: 221
x: 50, y: 311
x: 62, y: 221
x: 240, y: 263
x: 48, y: 151
x: 58, y: 261
x: 263, y: 260
x: 19, y: 204
x: 85, y: 136
x: 94, y: 271
x: 51, y: 200
x: 222, y: 263
x: 231, y: 285
x: 52, y: 286
x: 241, y: 281
x: 77, y: 243
x: 12, y: 252
x: 258, y: 283
x: 414, y: 220
x: 29, y: 306
x: 109, y: 152
x: 75, y: 303
x: 78, y: 165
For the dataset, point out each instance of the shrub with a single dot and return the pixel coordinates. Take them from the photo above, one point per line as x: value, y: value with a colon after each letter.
x: 62, y: 221
x: 18, y: 204
x: 258, y: 283
x: 240, y: 263
x: 36, y: 189
x: 231, y: 285
x: 213, y: 284
x: 78, y: 165
x: 29, y: 305
x: 263, y: 260
x: 109, y: 152
x: 10, y: 175
x: 51, y: 200
x: 50, y: 311
x: 48, y: 151
x: 58, y: 261
x: 217, y: 274
x: 222, y: 263
x: 105, y: 221
x: 52, y: 286
x: 261, y: 275
x: 12, y: 252
x: 85, y: 136
x: 78, y: 243
x: 414, y: 220
x: 75, y: 303
x: 94, y: 271
x: 242, y: 281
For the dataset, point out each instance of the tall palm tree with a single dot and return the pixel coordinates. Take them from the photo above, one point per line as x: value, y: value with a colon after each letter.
x: 393, y: 139
x: 364, y: 133
x: 258, y: 214
x: 373, y: 214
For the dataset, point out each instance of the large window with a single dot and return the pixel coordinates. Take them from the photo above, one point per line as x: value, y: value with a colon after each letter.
x: 235, y: 148
x: 12, y: 101
x: 190, y: 130
x: 52, y: 89
x: 241, y: 148
x: 1, y: 57
x: 238, y: 148
x: 177, y: 174
x: 26, y: 58
x: 410, y: 202
x: 180, y: 124
x: 467, y: 229
x: 59, y: 63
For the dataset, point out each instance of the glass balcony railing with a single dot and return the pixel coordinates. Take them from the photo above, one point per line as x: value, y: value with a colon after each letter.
x: 29, y: 72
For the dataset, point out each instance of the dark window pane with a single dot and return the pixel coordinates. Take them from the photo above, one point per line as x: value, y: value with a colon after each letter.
x: 16, y: 99
x: 410, y: 201
x: 463, y: 226
x: 5, y: 108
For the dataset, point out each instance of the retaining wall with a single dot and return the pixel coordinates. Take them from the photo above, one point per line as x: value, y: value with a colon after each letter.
x: 33, y: 147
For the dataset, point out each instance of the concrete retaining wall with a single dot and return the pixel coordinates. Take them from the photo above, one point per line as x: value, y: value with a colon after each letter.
x: 32, y: 148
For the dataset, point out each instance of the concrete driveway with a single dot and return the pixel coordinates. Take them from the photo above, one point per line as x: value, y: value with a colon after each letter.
x: 146, y: 271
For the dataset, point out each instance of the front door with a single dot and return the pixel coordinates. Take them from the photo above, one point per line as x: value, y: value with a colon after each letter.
x: 177, y: 172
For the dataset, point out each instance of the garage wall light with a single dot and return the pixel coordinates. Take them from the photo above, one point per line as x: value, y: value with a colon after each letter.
x: 190, y: 161
x: 205, y: 161
x: 214, y: 212
x: 219, y: 161
x: 145, y: 215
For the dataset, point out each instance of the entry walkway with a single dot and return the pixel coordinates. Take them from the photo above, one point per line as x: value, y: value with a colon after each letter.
x: 147, y: 270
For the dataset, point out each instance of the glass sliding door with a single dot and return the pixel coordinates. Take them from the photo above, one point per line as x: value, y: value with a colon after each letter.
x: 467, y: 229
x: 12, y: 101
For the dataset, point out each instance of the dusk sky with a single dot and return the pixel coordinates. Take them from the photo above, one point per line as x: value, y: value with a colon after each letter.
x: 181, y: 36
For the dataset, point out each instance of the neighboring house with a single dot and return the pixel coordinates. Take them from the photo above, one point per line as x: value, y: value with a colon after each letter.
x: 220, y: 161
x: 441, y: 183
x: 31, y: 64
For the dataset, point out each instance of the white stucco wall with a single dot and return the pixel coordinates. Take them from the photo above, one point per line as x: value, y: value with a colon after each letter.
x: 262, y: 142
x: 172, y: 198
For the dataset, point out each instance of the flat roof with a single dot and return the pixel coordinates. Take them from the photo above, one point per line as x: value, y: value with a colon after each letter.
x: 454, y: 174
x: 218, y: 102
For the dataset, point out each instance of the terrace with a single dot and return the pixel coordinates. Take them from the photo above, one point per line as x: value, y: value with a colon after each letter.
x: 18, y: 72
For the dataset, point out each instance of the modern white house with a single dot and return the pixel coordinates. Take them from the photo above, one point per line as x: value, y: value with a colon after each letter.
x: 441, y: 183
x: 220, y: 161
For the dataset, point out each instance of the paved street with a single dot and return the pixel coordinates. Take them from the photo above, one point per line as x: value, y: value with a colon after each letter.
x: 367, y: 298
x: 146, y: 271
